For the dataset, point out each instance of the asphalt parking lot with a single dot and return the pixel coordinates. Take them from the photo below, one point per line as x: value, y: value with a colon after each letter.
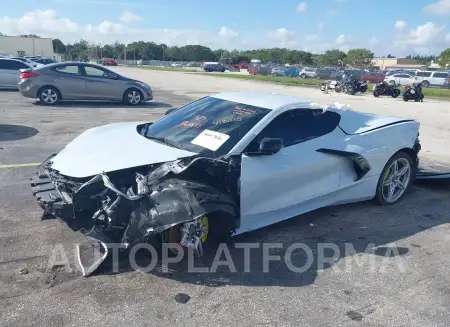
x: 402, y: 281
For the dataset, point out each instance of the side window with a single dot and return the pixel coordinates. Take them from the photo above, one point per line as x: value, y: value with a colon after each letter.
x: 96, y: 72
x: 424, y: 74
x: 298, y: 125
x: 12, y: 65
x: 68, y: 69
x: 441, y: 75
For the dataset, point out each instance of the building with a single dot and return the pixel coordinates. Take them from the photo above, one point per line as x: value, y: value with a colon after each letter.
x: 26, y: 46
x: 387, y: 63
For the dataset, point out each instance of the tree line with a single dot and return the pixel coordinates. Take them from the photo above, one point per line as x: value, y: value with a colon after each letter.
x: 152, y: 51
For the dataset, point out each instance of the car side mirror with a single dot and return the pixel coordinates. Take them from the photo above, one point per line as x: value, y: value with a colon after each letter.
x: 267, y: 147
x: 170, y: 111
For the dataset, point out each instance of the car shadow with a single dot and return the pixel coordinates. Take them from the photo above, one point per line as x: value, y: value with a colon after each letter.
x: 16, y: 132
x: 104, y: 104
x: 334, y: 237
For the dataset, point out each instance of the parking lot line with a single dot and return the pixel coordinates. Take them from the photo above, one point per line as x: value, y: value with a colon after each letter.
x: 20, y: 165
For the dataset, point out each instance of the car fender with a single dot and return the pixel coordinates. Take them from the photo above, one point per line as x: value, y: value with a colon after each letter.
x: 175, y: 201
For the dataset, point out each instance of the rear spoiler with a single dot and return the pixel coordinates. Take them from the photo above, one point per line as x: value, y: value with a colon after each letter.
x: 25, y: 70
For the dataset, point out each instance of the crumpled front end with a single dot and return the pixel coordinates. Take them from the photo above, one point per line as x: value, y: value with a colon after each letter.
x: 120, y: 217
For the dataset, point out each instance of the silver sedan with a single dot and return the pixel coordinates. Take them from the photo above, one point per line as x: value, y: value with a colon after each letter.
x: 81, y: 81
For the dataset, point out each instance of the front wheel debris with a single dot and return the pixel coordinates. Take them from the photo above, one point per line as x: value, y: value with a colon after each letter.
x: 191, y: 235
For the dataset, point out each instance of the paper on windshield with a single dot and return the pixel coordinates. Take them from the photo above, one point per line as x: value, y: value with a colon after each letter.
x: 210, y: 140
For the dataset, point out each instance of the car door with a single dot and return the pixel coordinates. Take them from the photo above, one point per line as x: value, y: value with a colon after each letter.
x: 439, y: 78
x: 102, y: 84
x: 10, y: 72
x: 70, y: 81
x: 298, y: 178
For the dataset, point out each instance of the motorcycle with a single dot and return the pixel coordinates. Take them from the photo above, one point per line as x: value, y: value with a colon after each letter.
x: 384, y: 88
x: 353, y: 86
x: 413, y: 93
x: 331, y: 85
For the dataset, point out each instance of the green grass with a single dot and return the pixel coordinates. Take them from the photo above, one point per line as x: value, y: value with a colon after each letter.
x: 443, y: 94
x: 166, y: 69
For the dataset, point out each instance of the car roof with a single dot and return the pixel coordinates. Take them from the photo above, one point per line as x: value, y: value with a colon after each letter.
x: 270, y: 101
x: 13, y: 60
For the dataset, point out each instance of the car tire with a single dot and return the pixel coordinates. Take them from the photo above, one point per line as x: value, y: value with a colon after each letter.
x: 133, y: 97
x: 398, y: 183
x: 49, y: 95
x: 392, y: 83
x: 426, y: 84
x: 303, y: 76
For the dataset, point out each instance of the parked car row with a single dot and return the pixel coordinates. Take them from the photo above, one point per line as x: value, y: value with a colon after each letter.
x: 403, y: 77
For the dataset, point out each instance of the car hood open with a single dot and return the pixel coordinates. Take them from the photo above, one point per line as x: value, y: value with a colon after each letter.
x: 110, y: 148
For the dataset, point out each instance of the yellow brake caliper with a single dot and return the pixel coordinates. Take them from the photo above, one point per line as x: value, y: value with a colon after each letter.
x: 205, y: 226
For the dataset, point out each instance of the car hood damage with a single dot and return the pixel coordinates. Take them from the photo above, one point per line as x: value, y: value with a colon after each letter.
x: 110, y: 148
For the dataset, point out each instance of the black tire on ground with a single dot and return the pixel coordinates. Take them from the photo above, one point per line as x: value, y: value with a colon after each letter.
x: 303, y: 76
x: 395, y: 93
x: 379, y: 198
x: 376, y: 93
x: 405, y: 98
x: 133, y: 97
x: 337, y: 89
x: 351, y: 90
x: 49, y: 95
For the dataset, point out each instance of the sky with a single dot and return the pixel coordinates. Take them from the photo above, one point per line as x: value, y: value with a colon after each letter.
x: 398, y: 27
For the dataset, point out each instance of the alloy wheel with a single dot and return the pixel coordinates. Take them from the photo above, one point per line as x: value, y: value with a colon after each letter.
x: 396, y: 180
x: 134, y: 97
x: 49, y: 96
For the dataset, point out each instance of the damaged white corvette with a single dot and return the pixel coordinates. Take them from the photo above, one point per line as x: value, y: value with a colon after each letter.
x: 225, y: 164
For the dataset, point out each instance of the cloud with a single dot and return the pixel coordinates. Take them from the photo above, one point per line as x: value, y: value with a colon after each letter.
x: 284, y: 37
x: 320, y: 26
x: 332, y: 12
x: 440, y: 8
x: 129, y: 17
x: 427, y: 38
x: 227, y: 32
x: 301, y: 7
x: 341, y: 40
x: 400, y: 25
x: 47, y: 23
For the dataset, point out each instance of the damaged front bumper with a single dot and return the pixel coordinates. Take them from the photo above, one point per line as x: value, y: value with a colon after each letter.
x: 48, y: 196
x: 121, y: 217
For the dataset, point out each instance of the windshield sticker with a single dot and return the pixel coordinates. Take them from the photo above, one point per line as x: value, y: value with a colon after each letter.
x: 210, y: 140
x: 199, y: 121
x: 230, y: 120
x: 239, y: 111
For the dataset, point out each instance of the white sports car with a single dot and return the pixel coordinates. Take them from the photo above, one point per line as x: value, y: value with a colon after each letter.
x: 225, y: 164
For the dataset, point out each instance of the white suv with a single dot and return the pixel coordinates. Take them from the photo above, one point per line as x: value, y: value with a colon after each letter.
x: 432, y: 78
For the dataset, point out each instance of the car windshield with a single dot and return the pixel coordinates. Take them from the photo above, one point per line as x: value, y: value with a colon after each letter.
x: 209, y: 126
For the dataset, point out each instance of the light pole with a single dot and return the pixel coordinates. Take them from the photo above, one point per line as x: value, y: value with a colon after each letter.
x: 101, y: 50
